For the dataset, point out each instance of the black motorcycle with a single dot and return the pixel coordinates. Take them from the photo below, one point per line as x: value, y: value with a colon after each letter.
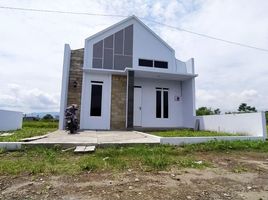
x: 71, y: 119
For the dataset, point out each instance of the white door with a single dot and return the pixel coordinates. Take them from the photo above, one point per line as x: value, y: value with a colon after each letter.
x: 137, y: 106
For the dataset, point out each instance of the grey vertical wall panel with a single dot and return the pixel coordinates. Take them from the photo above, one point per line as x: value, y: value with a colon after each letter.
x: 118, y: 42
x: 97, y: 63
x: 128, y: 42
x: 108, y: 59
x: 114, y: 51
x: 108, y: 42
x: 121, y: 62
x: 98, y: 49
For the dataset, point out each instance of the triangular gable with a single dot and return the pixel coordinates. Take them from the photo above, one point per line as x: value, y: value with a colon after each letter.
x: 126, y: 20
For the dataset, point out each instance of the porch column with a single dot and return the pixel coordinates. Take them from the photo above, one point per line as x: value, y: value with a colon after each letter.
x: 130, y: 98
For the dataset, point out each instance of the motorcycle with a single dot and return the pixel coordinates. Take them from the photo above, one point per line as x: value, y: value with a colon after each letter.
x: 71, y: 119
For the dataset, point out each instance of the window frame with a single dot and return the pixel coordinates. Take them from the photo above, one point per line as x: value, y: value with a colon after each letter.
x: 153, y: 63
x: 146, y: 60
x: 161, y: 61
x: 96, y: 83
x: 164, y: 110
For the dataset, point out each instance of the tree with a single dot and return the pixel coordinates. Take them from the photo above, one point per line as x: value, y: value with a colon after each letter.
x: 204, y: 111
x: 48, y: 117
x: 243, y: 107
x: 217, y: 111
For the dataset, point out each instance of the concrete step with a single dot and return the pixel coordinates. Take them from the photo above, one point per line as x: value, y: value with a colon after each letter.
x: 84, y: 149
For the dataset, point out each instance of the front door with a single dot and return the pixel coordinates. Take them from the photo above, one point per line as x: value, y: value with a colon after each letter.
x: 137, y: 106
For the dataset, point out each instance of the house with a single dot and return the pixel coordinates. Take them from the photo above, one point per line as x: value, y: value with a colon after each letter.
x: 127, y: 77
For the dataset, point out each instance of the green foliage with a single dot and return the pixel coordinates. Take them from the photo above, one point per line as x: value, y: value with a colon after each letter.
x: 245, y: 145
x: 239, y: 169
x: 190, y: 133
x: 243, y: 107
x: 48, y: 117
x: 217, y: 111
x: 204, y: 111
x: 37, y: 160
x: 266, y: 115
x: 207, y: 111
x: 40, y: 124
x: 31, y: 129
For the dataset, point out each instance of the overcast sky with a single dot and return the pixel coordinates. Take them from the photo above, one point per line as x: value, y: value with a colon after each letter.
x: 31, y: 47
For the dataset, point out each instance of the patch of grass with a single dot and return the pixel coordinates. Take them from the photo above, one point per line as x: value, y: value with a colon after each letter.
x: 139, y: 157
x: 243, y: 145
x: 40, y: 124
x: 239, y: 169
x: 189, y: 133
x: 31, y: 129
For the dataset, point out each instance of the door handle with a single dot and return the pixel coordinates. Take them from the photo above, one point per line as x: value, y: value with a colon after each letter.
x: 140, y: 107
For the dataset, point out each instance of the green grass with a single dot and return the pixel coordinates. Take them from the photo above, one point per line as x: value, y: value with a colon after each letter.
x: 30, y: 129
x: 138, y: 157
x: 189, y: 133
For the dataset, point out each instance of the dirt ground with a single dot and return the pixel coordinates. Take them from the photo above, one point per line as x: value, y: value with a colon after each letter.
x: 231, y: 176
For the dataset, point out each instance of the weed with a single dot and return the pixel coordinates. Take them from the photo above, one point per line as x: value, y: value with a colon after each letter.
x: 239, y: 169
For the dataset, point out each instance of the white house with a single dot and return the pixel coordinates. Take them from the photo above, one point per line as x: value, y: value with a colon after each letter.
x: 126, y: 76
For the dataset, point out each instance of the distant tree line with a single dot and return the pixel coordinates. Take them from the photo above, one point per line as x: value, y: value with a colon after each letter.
x: 47, y: 117
x: 242, y: 108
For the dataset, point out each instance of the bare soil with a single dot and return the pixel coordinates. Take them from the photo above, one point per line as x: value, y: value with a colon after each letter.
x: 232, y: 176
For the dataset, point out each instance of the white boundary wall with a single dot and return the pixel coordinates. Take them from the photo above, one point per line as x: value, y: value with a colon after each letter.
x: 251, y: 124
x: 10, y: 120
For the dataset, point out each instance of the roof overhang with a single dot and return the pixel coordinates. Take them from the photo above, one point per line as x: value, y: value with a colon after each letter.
x: 144, y: 74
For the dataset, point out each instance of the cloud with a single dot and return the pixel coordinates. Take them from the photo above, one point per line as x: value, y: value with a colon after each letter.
x: 229, y: 100
x: 18, y: 98
x: 31, y: 50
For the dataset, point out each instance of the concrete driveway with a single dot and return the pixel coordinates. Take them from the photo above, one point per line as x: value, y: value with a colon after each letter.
x: 97, y: 138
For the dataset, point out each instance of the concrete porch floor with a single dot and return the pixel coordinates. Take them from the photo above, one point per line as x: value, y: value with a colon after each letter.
x: 97, y: 138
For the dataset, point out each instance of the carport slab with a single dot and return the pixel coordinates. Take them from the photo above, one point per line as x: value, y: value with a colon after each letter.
x: 96, y: 138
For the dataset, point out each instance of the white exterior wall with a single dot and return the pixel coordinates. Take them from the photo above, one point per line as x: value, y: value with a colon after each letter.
x: 147, y: 46
x: 92, y: 122
x: 64, y: 84
x: 10, y: 120
x: 188, y: 99
x: 252, y: 124
x: 149, y: 103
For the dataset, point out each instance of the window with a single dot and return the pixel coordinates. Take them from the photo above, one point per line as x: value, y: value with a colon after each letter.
x: 165, y: 102
x: 160, y: 64
x: 96, y: 98
x: 161, y: 102
x: 153, y: 63
x: 145, y: 63
x: 158, y: 103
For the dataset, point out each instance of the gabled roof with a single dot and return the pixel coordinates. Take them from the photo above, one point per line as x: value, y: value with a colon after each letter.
x: 126, y: 20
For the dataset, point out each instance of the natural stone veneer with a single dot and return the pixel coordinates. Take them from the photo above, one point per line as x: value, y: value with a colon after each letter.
x: 118, y: 104
x: 75, y: 75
